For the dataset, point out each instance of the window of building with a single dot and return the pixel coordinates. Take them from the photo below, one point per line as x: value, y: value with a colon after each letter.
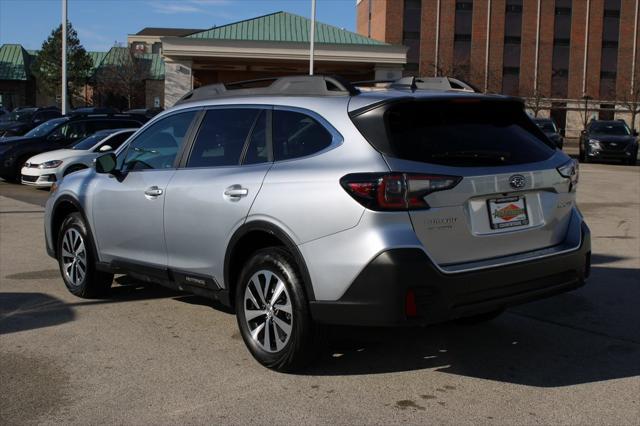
x: 512, y: 43
x: 411, y: 32
x: 609, y: 56
x: 462, y: 39
x: 607, y: 112
x: 156, y: 47
x: 561, y: 50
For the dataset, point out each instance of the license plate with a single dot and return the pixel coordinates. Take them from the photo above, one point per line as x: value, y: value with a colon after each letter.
x: 507, y: 212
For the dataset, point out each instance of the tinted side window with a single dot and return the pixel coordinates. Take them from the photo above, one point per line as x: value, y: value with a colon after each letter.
x: 158, y: 146
x: 73, y: 132
x: 297, y: 135
x: 258, y: 151
x: 222, y: 136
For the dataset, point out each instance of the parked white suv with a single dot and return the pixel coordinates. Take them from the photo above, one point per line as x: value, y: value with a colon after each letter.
x: 310, y: 202
x: 44, y: 169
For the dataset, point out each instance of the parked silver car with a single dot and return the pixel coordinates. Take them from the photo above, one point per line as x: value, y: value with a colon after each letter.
x: 310, y: 202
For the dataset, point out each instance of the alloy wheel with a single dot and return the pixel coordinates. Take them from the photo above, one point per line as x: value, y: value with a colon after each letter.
x: 268, y: 311
x: 74, y: 257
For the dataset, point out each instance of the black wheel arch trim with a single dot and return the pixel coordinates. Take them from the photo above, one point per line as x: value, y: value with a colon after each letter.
x: 277, y: 232
x: 54, y: 232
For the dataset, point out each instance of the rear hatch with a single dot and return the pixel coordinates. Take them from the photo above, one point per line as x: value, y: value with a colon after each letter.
x: 509, y: 198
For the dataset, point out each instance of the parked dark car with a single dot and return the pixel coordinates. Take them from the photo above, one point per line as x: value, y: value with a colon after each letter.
x: 609, y: 140
x: 550, y: 129
x: 149, y: 112
x: 58, y: 133
x: 20, y: 121
x: 93, y: 110
x: 3, y: 113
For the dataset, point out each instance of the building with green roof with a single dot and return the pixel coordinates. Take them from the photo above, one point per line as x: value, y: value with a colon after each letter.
x: 17, y: 85
x: 273, y: 45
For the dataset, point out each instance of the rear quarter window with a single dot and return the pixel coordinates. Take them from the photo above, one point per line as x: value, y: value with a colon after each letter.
x: 297, y: 135
x: 463, y: 133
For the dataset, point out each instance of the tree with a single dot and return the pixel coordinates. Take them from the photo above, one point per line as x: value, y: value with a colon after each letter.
x: 630, y: 101
x: 47, y: 66
x: 536, y: 103
x: 123, y: 75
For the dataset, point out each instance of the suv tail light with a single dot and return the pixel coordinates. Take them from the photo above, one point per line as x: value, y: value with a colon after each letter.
x: 395, y: 191
x: 571, y: 171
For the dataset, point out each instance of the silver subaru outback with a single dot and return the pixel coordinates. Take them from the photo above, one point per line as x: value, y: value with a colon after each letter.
x: 310, y: 201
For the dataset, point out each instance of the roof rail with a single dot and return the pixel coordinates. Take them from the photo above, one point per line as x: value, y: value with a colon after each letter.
x: 77, y: 115
x: 423, y: 83
x: 434, y: 83
x: 306, y: 85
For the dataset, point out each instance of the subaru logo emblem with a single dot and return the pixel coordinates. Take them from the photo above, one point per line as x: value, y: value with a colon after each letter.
x: 517, y: 181
x: 613, y: 144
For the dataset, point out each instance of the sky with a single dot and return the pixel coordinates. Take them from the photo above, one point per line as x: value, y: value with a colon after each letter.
x: 102, y: 23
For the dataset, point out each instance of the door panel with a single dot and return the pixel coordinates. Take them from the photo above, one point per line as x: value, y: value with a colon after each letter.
x: 200, y: 218
x: 127, y: 222
x: 128, y: 211
x: 207, y: 201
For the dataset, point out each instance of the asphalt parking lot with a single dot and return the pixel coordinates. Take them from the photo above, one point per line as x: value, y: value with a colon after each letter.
x: 151, y: 356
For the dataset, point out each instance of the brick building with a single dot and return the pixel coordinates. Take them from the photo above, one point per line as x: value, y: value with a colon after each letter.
x: 571, y: 59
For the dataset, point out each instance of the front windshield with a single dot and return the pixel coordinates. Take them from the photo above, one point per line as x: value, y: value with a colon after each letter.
x: 616, y: 129
x: 88, y: 143
x: 546, y: 126
x: 44, y: 128
x: 20, y: 116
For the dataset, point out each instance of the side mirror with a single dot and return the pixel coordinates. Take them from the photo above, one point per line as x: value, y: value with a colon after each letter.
x: 106, y: 163
x: 105, y: 148
x: 635, y: 132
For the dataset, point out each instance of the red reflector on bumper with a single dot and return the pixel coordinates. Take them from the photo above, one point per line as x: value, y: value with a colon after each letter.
x: 410, y: 304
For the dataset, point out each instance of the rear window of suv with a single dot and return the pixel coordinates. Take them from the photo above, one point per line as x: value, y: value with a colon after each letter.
x: 462, y: 133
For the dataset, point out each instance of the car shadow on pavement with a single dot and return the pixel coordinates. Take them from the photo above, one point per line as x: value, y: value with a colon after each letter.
x: 28, y: 311
x: 584, y: 336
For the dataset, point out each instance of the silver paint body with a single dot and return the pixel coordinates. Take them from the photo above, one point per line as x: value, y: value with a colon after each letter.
x: 189, y: 226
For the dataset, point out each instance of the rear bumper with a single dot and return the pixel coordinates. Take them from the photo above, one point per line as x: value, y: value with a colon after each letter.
x: 378, y: 295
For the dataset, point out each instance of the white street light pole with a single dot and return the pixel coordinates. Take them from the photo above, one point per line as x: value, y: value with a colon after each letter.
x: 64, y: 57
x: 312, y: 35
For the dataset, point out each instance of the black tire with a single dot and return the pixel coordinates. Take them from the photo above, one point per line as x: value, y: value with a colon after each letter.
x: 94, y: 283
x: 480, y: 318
x: 633, y: 160
x: 17, y: 172
x: 73, y: 168
x: 302, y: 341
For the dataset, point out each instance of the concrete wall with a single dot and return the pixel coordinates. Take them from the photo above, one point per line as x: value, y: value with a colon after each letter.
x: 178, y: 80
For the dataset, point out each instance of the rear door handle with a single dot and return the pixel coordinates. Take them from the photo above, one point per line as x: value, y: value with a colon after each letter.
x: 153, y: 191
x: 235, y: 192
